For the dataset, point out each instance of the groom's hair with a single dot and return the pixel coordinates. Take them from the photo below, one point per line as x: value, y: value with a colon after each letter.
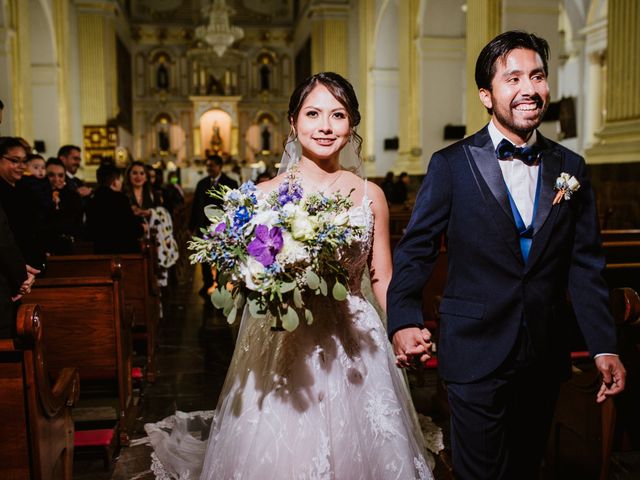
x: 499, y: 48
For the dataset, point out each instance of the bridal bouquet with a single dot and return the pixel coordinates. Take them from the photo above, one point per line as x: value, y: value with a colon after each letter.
x: 270, y: 252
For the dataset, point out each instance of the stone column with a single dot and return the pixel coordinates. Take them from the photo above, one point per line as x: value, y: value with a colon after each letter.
x: 15, y: 71
x: 366, y: 27
x: 7, y: 81
x: 329, y: 38
x: 410, y: 148
x: 483, y: 23
x: 61, y: 18
x: 619, y: 139
x: 595, y: 95
x: 98, y: 69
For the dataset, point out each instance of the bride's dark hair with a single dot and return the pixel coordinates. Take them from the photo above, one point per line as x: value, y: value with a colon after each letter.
x: 340, y: 88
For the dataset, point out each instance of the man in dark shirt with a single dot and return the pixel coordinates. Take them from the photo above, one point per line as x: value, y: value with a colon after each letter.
x: 111, y: 224
x: 201, y: 199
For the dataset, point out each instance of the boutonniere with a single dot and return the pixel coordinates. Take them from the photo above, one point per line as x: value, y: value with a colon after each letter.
x: 566, y: 185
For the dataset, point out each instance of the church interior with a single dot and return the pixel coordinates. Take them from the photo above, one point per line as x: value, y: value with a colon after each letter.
x: 170, y: 83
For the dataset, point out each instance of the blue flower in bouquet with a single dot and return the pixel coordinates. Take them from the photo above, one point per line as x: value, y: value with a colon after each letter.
x: 241, y: 216
x: 266, y: 244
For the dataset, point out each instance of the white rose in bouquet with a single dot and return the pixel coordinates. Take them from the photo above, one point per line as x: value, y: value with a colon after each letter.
x: 250, y: 269
x: 303, y: 225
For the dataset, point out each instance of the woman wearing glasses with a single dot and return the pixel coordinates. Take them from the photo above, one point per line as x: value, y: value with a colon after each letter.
x: 18, y: 202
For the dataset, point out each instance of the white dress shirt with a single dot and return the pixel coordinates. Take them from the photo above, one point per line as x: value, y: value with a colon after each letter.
x: 521, y: 179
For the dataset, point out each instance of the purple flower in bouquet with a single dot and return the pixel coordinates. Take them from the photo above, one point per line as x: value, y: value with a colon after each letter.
x: 266, y: 244
x: 221, y: 227
x: 289, y: 192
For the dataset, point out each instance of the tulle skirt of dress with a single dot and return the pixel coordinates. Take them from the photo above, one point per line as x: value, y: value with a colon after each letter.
x: 323, y: 402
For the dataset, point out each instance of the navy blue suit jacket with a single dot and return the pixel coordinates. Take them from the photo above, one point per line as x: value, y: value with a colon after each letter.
x: 491, y: 292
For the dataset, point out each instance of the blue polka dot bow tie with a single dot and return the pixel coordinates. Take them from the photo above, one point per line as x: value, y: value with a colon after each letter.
x: 528, y: 154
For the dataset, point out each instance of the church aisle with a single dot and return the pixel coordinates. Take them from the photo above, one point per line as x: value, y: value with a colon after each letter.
x: 193, y: 353
x: 195, y: 345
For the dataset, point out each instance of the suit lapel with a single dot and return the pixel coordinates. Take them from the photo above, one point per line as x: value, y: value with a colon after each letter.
x: 551, y: 165
x: 483, y: 158
x: 486, y: 162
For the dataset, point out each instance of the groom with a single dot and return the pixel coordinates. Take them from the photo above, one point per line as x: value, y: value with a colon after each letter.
x: 515, y: 248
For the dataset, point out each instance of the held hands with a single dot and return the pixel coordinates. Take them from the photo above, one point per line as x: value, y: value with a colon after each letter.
x: 411, y: 343
x: 613, y: 376
x: 27, y: 284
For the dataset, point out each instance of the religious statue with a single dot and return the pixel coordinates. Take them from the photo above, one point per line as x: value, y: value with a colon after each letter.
x: 162, y: 77
x: 216, y: 139
x: 266, y: 139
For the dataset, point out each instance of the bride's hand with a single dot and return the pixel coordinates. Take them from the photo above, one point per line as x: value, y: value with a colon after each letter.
x: 409, y: 343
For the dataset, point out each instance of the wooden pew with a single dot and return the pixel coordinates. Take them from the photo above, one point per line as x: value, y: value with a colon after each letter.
x: 399, y: 217
x: 582, y: 434
x: 85, y: 327
x: 140, y: 289
x: 622, y: 253
x: 620, y: 235
x: 36, y: 431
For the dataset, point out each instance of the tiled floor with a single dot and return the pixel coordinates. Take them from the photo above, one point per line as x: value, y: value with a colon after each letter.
x: 195, y: 347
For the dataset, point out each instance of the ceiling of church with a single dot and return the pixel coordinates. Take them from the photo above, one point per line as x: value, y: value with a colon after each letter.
x: 190, y: 12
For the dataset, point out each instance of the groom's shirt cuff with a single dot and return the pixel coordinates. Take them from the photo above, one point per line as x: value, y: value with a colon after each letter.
x: 601, y: 354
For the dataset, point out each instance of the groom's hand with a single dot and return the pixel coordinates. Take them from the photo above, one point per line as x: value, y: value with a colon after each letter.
x: 613, y: 376
x: 409, y: 343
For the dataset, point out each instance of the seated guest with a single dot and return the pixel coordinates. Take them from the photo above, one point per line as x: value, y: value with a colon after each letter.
x: 64, y: 216
x: 19, y: 203
x: 111, y: 224
x: 401, y: 190
x: 388, y: 187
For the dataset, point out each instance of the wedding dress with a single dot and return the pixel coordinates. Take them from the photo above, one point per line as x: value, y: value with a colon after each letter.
x: 325, y: 401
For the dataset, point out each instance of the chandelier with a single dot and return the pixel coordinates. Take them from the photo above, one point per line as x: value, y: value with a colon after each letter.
x: 218, y: 33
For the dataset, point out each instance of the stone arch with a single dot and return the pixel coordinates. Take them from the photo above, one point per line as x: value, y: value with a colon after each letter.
x: 161, y: 64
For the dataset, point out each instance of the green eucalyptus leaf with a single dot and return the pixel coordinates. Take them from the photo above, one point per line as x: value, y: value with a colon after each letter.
x: 290, y: 320
x: 217, y: 298
x: 339, y: 291
x: 231, y: 317
x: 313, y: 280
x: 213, y: 213
x: 239, y: 300
x: 308, y: 316
x: 297, y: 298
x: 228, y: 299
x: 324, y: 288
x: 255, y: 310
x: 287, y: 287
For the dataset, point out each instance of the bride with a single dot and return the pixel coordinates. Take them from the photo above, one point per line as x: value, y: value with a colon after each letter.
x: 327, y: 400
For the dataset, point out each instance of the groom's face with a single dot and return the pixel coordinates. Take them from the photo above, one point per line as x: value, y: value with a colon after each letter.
x: 519, y: 93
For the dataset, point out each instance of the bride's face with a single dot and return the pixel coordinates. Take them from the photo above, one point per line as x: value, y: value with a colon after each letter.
x: 322, y: 125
